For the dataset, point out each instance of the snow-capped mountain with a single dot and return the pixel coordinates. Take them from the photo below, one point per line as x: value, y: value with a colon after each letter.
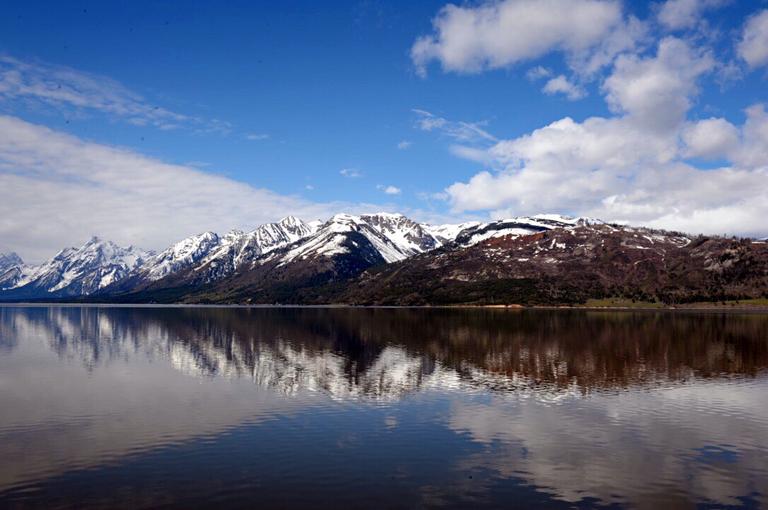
x: 183, y: 254
x: 351, y: 242
x: 340, y: 247
x: 281, y: 257
x: 8, y: 261
x: 238, y: 249
x: 393, y: 236
x: 447, y: 233
x: 270, y: 263
x: 208, y: 257
x: 518, y: 226
x: 75, y: 271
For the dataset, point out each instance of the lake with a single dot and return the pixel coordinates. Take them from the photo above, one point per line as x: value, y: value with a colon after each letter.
x: 187, y: 407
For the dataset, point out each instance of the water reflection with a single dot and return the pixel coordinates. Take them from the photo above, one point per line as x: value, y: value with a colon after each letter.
x: 380, y: 353
x: 574, y: 407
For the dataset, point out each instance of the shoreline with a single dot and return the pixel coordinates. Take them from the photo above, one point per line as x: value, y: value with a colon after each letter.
x: 693, y: 307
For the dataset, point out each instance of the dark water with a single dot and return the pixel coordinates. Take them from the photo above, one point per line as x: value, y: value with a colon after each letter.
x: 381, y: 408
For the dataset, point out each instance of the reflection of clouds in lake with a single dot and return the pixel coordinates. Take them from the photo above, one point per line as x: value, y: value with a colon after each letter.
x: 618, y: 448
x: 629, y: 408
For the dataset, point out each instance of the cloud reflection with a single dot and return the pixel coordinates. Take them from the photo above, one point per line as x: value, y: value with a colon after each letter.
x: 638, y: 408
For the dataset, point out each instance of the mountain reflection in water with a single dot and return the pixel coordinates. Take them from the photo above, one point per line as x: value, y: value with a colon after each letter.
x: 549, y: 407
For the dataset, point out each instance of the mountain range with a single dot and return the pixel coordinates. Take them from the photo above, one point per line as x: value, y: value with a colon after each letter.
x: 389, y: 259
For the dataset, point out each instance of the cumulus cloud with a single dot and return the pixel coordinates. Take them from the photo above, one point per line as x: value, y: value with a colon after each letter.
x: 753, y: 47
x: 389, y: 190
x: 57, y: 190
x: 561, y: 85
x: 656, y: 91
x: 631, y: 167
x: 712, y: 138
x: 404, y: 144
x: 257, y: 136
x: 752, y: 152
x: 498, y: 34
x: 683, y: 14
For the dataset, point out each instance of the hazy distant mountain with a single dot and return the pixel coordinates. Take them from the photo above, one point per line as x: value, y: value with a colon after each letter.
x: 390, y: 259
x: 73, y: 271
x: 8, y: 261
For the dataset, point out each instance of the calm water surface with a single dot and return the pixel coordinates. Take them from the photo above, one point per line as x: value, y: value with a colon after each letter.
x: 381, y: 408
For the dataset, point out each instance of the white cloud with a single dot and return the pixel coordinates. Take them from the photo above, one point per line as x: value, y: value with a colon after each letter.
x: 404, y: 144
x: 257, y: 136
x: 561, y: 85
x: 682, y: 14
x: 389, y: 190
x: 495, y: 35
x: 351, y: 173
x: 753, y: 47
x: 710, y: 139
x: 631, y: 167
x: 57, y: 190
x: 656, y: 91
x: 753, y: 150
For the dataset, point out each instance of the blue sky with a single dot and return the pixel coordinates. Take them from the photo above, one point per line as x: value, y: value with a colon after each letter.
x: 308, y: 108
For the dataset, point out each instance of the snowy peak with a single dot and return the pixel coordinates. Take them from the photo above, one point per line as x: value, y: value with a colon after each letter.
x: 394, y: 236
x: 275, y: 235
x: 211, y: 257
x: 517, y: 226
x: 8, y: 261
x: 446, y: 233
x: 78, y: 271
x: 408, y: 237
x: 294, y: 225
x: 181, y: 255
x: 473, y: 232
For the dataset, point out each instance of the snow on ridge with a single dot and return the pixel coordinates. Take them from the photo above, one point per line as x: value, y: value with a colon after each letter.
x: 83, y: 270
x: 182, y: 254
x: 448, y: 232
x: 394, y: 236
x: 520, y: 226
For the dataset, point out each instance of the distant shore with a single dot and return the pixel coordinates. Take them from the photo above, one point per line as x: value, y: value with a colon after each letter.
x: 749, y: 305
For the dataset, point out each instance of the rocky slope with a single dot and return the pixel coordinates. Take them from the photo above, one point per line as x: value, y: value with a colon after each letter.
x: 568, y: 265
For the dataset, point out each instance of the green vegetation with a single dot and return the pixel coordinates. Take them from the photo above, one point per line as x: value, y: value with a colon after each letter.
x: 621, y: 303
x: 628, y: 303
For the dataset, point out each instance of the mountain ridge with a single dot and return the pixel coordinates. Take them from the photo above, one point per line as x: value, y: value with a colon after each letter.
x: 387, y: 258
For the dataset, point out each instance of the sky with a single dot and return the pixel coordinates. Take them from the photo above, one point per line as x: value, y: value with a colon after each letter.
x: 146, y: 122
